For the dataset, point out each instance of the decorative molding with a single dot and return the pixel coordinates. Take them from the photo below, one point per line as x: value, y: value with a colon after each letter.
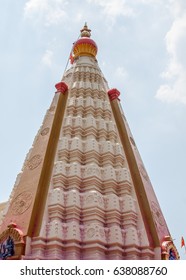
x: 34, y: 162
x: 13, y: 231
x: 132, y: 141
x: 113, y: 94
x: 21, y: 203
x: 45, y: 131
x: 157, y: 214
x: 143, y: 172
x: 91, y: 232
x: 61, y: 87
x: 169, y: 251
x: 52, y: 108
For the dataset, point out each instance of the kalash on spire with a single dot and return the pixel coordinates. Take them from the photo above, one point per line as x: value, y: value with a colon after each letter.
x: 84, y: 46
x: 83, y: 191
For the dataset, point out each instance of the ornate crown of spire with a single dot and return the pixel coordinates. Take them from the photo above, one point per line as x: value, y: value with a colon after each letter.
x: 85, y: 46
x: 85, y: 32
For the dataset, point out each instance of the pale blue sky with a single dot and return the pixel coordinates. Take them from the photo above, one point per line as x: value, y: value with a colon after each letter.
x: 141, y: 52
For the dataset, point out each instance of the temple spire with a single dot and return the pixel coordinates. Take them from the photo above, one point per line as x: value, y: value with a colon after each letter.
x: 83, y: 191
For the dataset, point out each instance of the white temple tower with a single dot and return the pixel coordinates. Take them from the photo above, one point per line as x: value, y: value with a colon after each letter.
x: 83, y: 192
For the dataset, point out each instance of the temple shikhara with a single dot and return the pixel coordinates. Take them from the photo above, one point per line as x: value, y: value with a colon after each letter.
x: 83, y: 192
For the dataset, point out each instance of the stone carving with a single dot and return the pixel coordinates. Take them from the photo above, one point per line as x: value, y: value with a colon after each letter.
x: 143, y: 172
x: 21, y: 203
x: 102, y: 232
x: 100, y: 200
x: 169, y: 251
x: 94, y: 198
x: 34, y: 162
x: 93, y: 171
x: 89, y: 199
x: 132, y: 141
x: 45, y: 131
x: 52, y: 108
x: 12, y: 231
x: 158, y: 217
x: 91, y: 232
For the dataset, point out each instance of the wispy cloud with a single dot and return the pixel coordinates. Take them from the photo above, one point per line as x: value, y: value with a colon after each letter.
x: 128, y: 8
x: 121, y: 73
x: 114, y: 8
x: 50, y: 12
x: 47, y: 58
x: 174, y: 88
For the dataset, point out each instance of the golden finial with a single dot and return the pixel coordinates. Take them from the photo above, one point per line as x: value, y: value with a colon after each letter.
x: 85, y: 32
x: 84, y: 46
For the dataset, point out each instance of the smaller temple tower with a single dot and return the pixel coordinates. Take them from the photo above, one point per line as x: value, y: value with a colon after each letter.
x: 83, y: 192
